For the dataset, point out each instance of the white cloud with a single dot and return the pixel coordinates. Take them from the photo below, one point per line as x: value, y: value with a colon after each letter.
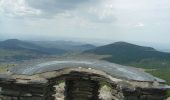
x: 16, y: 8
x: 97, y: 11
x: 90, y: 18
x: 103, y: 12
x: 140, y: 25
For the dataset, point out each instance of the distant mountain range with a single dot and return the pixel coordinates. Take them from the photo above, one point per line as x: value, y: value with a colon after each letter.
x: 17, y: 50
x: 123, y: 53
x: 18, y: 45
x: 13, y: 50
x: 69, y: 46
x: 120, y: 52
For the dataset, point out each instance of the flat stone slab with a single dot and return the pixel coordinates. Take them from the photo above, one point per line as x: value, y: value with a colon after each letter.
x: 115, y: 70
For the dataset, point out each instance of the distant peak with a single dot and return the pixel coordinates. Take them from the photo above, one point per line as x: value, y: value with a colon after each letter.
x: 122, y: 43
x: 12, y: 40
x: 88, y: 45
x: 130, y: 45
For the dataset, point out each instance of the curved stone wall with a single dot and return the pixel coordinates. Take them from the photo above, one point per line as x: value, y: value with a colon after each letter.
x: 81, y: 84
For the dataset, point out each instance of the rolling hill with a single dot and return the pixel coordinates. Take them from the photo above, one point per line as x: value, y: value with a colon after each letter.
x: 126, y: 53
x: 69, y: 46
x: 14, y: 49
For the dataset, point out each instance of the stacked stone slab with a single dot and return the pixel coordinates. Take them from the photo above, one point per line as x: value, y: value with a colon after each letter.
x: 81, y: 90
x: 80, y: 84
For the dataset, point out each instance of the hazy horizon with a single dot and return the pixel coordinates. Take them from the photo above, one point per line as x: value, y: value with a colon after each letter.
x: 143, y: 22
x: 100, y: 42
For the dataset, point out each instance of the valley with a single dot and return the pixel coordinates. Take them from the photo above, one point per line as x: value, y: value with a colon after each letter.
x: 14, y: 52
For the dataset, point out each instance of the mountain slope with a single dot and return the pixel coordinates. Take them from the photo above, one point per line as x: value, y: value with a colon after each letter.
x: 69, y: 46
x: 14, y: 49
x: 14, y: 44
x: 83, y: 47
x: 123, y: 53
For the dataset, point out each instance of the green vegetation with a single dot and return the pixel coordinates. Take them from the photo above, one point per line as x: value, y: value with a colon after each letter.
x: 4, y: 67
x: 125, y: 53
x: 154, y: 62
x: 150, y: 64
x: 14, y: 55
x: 16, y: 50
x: 158, y: 68
x: 163, y: 73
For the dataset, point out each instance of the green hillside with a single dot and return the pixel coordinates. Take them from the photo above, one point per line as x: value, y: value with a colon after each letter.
x: 126, y: 53
x: 17, y: 50
x: 152, y: 61
x: 65, y: 45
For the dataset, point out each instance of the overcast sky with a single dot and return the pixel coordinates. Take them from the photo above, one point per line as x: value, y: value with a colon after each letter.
x: 118, y: 20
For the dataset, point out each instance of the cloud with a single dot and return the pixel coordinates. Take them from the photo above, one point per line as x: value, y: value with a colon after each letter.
x: 16, y: 8
x: 97, y: 11
x: 140, y: 25
x: 102, y: 13
x: 58, y: 6
x: 93, y: 10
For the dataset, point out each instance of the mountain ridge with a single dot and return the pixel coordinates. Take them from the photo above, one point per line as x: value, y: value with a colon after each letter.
x: 17, y: 50
x: 15, y: 44
x: 66, y: 45
x: 123, y: 52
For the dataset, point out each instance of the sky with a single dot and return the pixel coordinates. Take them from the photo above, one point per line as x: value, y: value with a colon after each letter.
x: 146, y: 21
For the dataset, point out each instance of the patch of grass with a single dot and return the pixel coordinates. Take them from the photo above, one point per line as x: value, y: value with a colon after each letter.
x: 163, y: 73
x: 151, y: 64
x: 4, y: 67
x: 6, y: 53
x: 158, y: 68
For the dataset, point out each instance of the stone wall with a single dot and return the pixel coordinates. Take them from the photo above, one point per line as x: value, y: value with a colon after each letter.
x: 78, y: 86
x: 22, y: 92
